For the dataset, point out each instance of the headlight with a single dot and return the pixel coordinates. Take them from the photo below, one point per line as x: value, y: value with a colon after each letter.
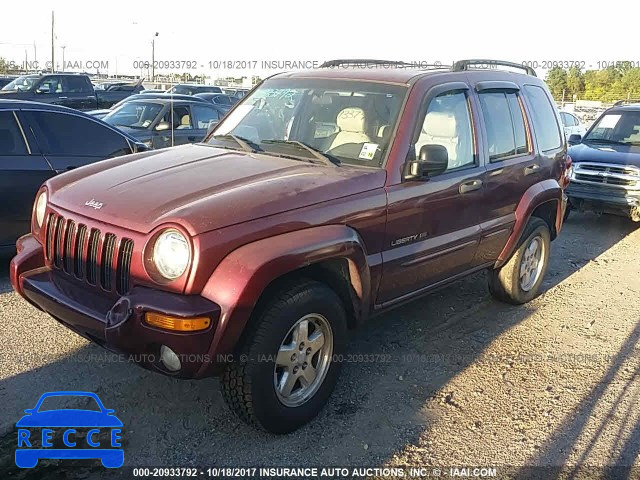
x: 41, y: 206
x: 171, y: 254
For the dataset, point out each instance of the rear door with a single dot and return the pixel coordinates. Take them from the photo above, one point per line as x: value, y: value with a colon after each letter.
x: 69, y: 141
x: 23, y: 170
x: 79, y: 92
x: 512, y: 162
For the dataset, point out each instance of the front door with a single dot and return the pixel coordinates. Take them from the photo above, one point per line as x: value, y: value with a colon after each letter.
x: 433, y: 225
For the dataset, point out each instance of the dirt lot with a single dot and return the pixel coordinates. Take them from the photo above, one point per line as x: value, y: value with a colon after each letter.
x: 467, y: 381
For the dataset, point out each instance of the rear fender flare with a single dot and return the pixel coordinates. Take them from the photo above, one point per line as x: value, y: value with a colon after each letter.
x: 542, y: 192
x: 242, y: 276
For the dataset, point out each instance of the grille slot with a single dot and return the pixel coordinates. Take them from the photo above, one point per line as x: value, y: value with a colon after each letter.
x: 124, y: 265
x: 108, y: 248
x: 76, y: 249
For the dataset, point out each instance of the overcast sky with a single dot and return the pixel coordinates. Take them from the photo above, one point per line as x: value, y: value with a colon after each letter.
x: 120, y: 32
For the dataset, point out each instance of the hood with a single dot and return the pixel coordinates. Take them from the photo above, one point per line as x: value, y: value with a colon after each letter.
x: 204, y: 188
x: 615, y: 154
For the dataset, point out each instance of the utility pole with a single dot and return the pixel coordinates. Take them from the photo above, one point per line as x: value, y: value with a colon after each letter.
x: 53, y: 52
x: 63, y: 47
x: 35, y: 54
x: 153, y: 58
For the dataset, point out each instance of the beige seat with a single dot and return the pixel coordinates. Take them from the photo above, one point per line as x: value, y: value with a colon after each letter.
x: 185, y: 122
x: 440, y: 129
x: 352, y: 123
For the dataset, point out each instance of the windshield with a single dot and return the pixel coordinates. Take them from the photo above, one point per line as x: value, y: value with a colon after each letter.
x: 21, y: 83
x: 349, y: 122
x: 621, y: 127
x: 139, y: 115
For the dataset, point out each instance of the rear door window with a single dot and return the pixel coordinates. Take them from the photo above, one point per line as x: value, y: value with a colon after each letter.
x: 504, y: 122
x: 544, y: 118
x: 72, y: 135
x: 203, y: 116
x: 11, y: 139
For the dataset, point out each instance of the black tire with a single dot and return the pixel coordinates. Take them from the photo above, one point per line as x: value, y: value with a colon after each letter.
x: 248, y: 383
x: 504, y: 282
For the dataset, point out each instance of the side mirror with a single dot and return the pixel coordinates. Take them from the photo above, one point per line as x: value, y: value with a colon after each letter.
x: 574, y: 139
x: 162, y: 126
x: 433, y: 160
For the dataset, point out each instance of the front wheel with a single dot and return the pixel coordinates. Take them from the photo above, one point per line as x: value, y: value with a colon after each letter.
x: 290, y: 359
x: 519, y: 280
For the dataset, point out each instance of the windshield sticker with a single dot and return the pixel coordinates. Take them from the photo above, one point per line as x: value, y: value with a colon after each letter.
x: 609, y: 121
x: 368, y: 151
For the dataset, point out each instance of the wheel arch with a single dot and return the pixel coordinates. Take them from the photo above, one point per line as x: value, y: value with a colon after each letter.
x: 543, y: 200
x: 245, y: 279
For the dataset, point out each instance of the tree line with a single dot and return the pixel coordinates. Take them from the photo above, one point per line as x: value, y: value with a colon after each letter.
x: 620, y: 82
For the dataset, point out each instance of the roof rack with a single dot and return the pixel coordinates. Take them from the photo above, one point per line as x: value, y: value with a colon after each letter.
x: 371, y: 61
x: 462, y: 65
x: 625, y: 102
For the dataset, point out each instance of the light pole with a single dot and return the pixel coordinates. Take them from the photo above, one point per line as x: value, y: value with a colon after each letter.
x: 153, y: 58
x: 63, y: 47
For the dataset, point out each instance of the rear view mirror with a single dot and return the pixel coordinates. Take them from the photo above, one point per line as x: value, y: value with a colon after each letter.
x: 162, y: 126
x: 433, y: 160
x: 574, y: 139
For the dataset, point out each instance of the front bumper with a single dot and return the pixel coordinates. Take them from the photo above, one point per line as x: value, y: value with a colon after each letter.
x: 112, y: 321
x: 604, y: 199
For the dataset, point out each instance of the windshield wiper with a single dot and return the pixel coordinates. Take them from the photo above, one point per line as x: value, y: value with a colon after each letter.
x: 247, y: 145
x: 323, y: 157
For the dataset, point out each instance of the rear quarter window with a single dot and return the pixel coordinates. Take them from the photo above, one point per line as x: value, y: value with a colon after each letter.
x: 545, y: 123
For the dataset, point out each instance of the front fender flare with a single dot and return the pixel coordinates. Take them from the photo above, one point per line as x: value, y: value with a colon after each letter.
x: 242, y: 276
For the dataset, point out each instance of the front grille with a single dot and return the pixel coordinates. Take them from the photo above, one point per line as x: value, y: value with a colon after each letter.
x: 88, y: 254
x: 627, y: 177
x: 606, y: 180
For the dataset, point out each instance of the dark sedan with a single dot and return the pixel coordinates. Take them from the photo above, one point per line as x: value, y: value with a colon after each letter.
x: 225, y: 102
x: 37, y: 141
x: 162, y: 122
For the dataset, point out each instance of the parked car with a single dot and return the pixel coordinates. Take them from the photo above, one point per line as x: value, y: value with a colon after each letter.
x: 38, y: 141
x: 103, y: 112
x: 606, y: 164
x: 224, y: 102
x: 67, y: 89
x: 323, y: 198
x: 6, y: 80
x: 236, y: 92
x: 193, y: 88
x: 114, y: 86
x: 572, y: 124
x: 159, y: 122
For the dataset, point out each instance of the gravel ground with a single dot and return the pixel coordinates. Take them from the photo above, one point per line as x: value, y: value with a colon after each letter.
x: 465, y: 381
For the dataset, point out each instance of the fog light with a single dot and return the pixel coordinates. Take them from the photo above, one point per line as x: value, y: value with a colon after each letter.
x: 169, y: 359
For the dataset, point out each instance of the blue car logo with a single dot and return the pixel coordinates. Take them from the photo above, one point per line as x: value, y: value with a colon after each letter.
x: 68, y: 420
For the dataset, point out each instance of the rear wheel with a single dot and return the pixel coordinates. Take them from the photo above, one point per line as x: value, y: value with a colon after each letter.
x: 289, y: 360
x: 518, y: 281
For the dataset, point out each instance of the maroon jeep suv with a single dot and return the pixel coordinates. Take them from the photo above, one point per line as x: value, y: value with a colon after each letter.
x: 322, y: 198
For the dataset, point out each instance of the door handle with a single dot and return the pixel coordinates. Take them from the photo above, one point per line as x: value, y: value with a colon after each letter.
x: 63, y: 98
x: 470, y: 186
x: 528, y: 170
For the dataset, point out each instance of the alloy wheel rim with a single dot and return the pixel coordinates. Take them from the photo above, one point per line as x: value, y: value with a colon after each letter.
x: 531, y: 263
x: 303, y: 360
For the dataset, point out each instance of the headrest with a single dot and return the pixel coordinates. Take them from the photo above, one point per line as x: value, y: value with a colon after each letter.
x: 440, y: 124
x: 7, y: 141
x: 184, y: 120
x: 351, y: 119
